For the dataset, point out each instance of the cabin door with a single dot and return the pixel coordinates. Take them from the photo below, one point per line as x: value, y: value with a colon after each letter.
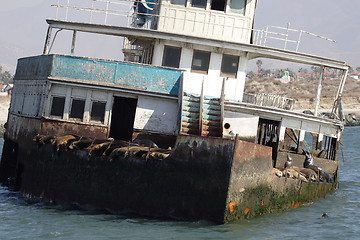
x: 122, y: 118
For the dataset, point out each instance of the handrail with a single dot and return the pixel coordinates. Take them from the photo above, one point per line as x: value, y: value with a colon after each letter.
x: 129, y: 9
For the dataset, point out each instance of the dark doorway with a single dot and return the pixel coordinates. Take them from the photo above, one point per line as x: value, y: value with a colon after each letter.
x: 122, y: 119
x: 268, y: 135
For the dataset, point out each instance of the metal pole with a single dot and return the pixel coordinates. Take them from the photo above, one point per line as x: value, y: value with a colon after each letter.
x: 47, y: 41
x: 298, y: 42
x: 67, y: 10
x: 319, y: 91
x: 73, y: 43
x: 287, y: 35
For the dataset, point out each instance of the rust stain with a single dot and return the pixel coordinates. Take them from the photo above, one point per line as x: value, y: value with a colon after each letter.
x: 247, y: 211
x: 231, y: 206
x: 297, y: 205
x: 262, y: 203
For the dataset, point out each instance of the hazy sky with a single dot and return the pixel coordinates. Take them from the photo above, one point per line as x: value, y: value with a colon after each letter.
x: 23, y: 29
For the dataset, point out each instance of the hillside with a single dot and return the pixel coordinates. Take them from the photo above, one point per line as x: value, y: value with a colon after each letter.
x: 304, y: 92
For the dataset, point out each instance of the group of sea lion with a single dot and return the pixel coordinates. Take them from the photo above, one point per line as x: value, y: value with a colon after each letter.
x: 144, y: 148
x: 309, y: 172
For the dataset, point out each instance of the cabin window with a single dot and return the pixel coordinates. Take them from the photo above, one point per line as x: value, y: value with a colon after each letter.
x: 200, y: 62
x: 218, y: 5
x: 171, y: 56
x: 229, y: 66
x: 237, y: 6
x: 77, y: 109
x: 198, y: 3
x: 57, y: 106
x: 98, y: 111
x: 178, y: 2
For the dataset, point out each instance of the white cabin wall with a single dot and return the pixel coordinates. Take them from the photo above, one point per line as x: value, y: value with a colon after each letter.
x: 156, y: 115
x: 207, y: 23
x: 234, y: 88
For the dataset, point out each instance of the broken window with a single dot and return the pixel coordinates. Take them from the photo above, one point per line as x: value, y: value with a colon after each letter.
x: 237, y: 6
x: 77, y: 109
x: 200, y: 62
x: 57, y: 106
x: 291, y: 139
x: 218, y: 5
x: 98, y: 111
x: 229, y: 66
x: 171, y: 56
x: 329, y: 148
x: 198, y: 3
x: 178, y: 2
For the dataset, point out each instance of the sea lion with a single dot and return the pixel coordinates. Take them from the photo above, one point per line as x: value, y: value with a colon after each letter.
x: 85, y: 143
x: 63, y: 141
x: 43, y: 139
x: 114, y: 145
x: 145, y: 143
x: 293, y: 173
x: 310, y: 164
x: 277, y: 172
x: 309, y: 173
x: 98, y: 149
x: 288, y: 162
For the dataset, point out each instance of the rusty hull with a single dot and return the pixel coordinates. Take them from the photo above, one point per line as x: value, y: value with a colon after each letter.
x: 203, y: 178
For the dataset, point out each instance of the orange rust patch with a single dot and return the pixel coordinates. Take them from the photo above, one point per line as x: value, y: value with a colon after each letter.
x: 262, y: 203
x: 231, y: 206
x: 247, y: 211
x: 297, y: 205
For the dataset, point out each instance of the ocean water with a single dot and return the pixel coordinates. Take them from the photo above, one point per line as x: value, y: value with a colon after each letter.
x: 24, y: 219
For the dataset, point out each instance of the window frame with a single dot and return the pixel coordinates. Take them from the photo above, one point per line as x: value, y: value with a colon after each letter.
x: 208, y: 62
x: 222, y: 74
x: 71, y: 108
x: 164, y: 55
x: 51, y: 106
x: 91, y: 111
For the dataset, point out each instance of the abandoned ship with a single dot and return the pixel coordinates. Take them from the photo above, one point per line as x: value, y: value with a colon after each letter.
x: 169, y: 131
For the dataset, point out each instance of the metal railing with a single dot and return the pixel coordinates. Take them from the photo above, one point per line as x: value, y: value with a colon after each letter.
x: 143, y: 13
x: 285, y: 35
x: 269, y: 100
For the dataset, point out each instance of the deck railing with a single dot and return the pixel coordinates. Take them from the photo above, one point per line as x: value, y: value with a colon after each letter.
x: 269, y: 100
x: 145, y: 14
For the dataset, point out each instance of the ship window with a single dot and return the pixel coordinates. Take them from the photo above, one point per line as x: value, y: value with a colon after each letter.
x: 98, y: 111
x: 200, y: 62
x: 57, y: 106
x: 237, y: 6
x: 198, y: 3
x: 171, y: 56
x: 178, y: 2
x: 77, y: 109
x: 229, y: 66
x: 218, y: 5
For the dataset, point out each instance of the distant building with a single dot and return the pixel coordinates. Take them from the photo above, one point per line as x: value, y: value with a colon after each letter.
x: 354, y: 75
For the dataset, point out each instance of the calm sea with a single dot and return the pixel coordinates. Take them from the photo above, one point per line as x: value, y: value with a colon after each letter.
x: 24, y: 219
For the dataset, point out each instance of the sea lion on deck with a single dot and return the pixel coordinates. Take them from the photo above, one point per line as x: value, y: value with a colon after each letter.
x: 288, y: 162
x: 294, y: 173
x: 98, y: 149
x: 63, y: 141
x: 145, y: 143
x: 310, y: 164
